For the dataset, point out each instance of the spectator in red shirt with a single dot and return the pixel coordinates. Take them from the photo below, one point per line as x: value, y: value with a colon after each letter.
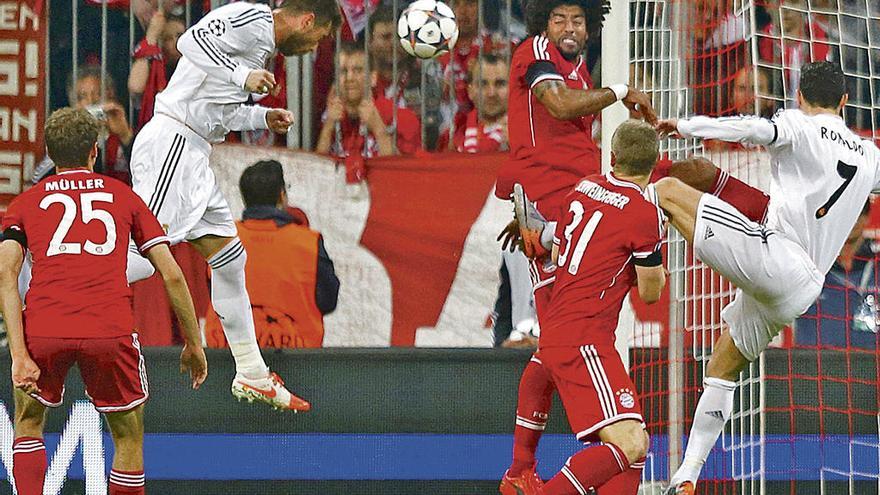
x: 155, y: 59
x: 357, y: 126
x: 383, y: 43
x: 485, y: 127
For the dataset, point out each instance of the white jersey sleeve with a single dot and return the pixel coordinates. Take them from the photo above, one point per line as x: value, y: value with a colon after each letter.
x: 211, y: 43
x: 742, y: 129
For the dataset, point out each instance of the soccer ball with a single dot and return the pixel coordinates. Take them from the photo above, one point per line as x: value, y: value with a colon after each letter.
x: 427, y: 29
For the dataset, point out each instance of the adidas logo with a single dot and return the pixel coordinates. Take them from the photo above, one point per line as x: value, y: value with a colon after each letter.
x: 573, y: 76
x: 709, y: 233
x: 716, y: 414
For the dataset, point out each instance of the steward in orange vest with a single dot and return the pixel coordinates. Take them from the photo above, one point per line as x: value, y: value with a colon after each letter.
x: 290, y: 277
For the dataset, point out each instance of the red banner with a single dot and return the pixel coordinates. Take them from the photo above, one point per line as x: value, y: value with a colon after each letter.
x: 22, y: 94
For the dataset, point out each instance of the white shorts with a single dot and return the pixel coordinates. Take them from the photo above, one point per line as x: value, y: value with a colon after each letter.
x: 170, y: 172
x: 775, y: 278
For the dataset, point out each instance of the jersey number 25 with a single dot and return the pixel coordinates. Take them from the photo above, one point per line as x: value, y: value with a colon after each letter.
x: 88, y: 212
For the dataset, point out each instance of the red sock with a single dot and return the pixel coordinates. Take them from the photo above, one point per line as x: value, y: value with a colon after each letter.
x: 532, y: 410
x: 589, y: 468
x: 126, y: 482
x: 625, y: 483
x: 29, y: 465
x: 750, y: 201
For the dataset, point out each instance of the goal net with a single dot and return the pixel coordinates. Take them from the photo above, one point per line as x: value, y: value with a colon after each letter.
x: 806, y: 413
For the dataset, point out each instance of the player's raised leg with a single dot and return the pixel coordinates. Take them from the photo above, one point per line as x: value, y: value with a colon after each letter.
x: 703, y: 175
x: 127, y: 472
x: 28, y: 450
x: 226, y: 256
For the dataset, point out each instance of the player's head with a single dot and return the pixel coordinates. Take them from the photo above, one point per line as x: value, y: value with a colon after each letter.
x: 352, y: 73
x: 822, y: 85
x: 304, y: 23
x: 635, y: 148
x: 71, y: 136
x: 262, y: 184
x: 487, y: 85
x: 568, y: 24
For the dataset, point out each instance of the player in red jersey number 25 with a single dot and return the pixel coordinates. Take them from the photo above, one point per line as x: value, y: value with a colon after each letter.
x: 75, y: 226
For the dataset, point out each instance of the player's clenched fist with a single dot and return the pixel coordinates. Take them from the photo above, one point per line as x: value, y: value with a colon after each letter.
x: 25, y: 374
x: 640, y: 104
x: 279, y: 120
x: 260, y: 81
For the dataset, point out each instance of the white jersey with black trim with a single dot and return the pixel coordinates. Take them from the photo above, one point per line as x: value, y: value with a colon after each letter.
x: 207, y: 91
x: 822, y: 174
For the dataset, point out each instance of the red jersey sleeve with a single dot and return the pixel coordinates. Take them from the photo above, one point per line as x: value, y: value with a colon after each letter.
x: 13, y: 221
x: 646, y: 234
x: 533, y: 62
x: 145, y: 228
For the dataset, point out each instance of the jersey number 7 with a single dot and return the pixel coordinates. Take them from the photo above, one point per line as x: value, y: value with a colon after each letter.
x: 89, y: 212
x: 846, y: 172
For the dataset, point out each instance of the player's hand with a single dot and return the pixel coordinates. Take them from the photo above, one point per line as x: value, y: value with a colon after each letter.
x: 509, y: 236
x: 117, y: 124
x: 279, y: 120
x: 639, y: 104
x: 668, y: 127
x: 260, y: 82
x: 25, y: 374
x: 194, y: 362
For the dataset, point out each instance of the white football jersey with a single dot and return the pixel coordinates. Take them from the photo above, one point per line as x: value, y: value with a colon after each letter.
x: 822, y: 174
x: 207, y: 91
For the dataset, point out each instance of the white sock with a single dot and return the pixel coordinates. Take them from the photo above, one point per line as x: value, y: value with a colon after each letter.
x: 547, y: 235
x: 713, y: 411
x: 231, y: 302
x: 138, y: 267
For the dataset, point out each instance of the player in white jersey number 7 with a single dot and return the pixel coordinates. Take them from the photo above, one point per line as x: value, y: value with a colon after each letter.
x: 822, y: 175
x: 221, y: 68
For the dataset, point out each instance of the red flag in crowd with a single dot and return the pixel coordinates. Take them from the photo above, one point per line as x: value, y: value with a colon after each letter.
x: 357, y: 13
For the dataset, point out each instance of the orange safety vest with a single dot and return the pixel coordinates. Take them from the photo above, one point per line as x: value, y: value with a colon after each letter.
x: 281, y: 270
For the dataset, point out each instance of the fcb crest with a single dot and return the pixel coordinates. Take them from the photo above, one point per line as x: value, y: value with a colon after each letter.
x: 626, y: 399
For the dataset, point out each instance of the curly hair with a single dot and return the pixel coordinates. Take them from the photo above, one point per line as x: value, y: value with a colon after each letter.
x: 538, y: 14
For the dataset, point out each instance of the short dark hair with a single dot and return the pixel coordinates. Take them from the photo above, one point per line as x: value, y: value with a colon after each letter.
x: 326, y: 11
x: 538, y: 14
x: 70, y: 136
x: 636, y: 147
x: 822, y: 84
x: 383, y: 14
x: 350, y: 47
x: 261, y: 184
x: 487, y: 58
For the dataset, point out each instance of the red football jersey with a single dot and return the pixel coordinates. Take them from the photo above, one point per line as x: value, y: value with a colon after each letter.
x: 606, y: 227
x: 78, y: 224
x: 548, y: 156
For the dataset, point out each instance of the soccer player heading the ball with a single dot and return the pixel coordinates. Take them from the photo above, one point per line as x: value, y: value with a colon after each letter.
x: 824, y: 173
x: 222, y: 62
x: 76, y: 226
x: 551, y: 107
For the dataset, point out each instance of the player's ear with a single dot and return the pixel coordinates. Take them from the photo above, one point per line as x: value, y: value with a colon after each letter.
x: 800, y: 99
x: 305, y: 21
x: 843, y: 101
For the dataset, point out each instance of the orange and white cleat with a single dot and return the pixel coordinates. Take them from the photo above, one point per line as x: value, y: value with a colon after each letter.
x: 683, y: 488
x: 531, y: 224
x: 527, y: 483
x: 269, y: 390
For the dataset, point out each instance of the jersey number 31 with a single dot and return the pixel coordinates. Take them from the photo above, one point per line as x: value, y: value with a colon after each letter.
x: 578, y: 255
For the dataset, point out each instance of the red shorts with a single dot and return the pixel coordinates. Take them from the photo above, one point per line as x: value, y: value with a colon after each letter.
x: 112, y: 370
x: 595, y: 388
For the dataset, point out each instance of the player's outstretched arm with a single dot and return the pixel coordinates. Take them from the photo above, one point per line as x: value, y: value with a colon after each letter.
x: 25, y: 371
x: 192, y: 358
x: 565, y: 103
x: 651, y: 280
x: 748, y: 130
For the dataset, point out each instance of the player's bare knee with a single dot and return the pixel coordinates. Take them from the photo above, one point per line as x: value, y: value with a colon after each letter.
x: 630, y: 437
x: 127, y: 426
x: 667, y: 189
x: 726, y: 361
x: 696, y: 172
x: 30, y: 415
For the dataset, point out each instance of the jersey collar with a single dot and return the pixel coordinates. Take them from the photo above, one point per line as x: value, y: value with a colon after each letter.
x: 622, y: 183
x: 74, y: 171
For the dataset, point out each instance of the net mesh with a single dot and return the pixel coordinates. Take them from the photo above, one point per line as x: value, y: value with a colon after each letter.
x: 806, y: 413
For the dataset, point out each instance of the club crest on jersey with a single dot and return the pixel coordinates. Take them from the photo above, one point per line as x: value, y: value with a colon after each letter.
x: 217, y: 27
x: 626, y: 399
